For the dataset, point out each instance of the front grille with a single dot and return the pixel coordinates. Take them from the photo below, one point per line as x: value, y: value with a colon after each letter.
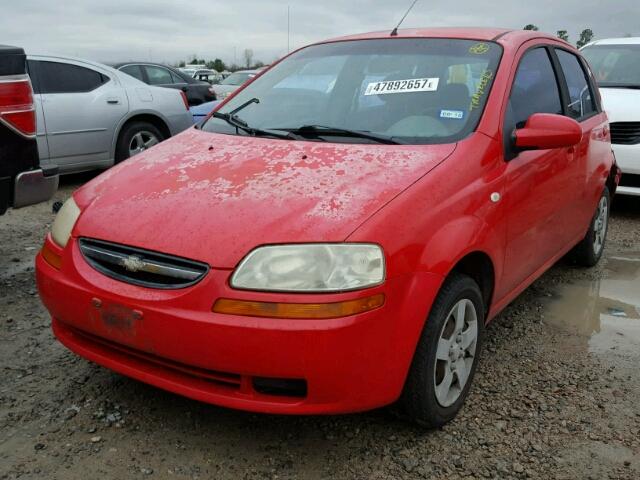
x: 630, y: 180
x: 141, y: 267
x: 625, y: 133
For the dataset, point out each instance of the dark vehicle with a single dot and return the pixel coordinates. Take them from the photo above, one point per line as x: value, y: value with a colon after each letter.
x: 197, y: 91
x: 22, y: 180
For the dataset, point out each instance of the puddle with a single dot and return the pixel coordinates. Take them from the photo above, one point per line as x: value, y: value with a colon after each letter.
x: 603, y: 313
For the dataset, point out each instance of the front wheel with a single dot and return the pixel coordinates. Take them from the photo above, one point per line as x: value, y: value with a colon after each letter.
x: 589, y: 251
x: 447, y: 354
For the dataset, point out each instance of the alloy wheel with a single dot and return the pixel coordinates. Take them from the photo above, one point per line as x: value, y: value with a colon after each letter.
x: 456, y: 352
x: 600, y: 225
x: 142, y: 141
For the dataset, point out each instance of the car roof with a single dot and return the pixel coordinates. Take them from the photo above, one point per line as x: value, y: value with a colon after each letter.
x: 72, y: 59
x: 122, y: 64
x: 465, y: 33
x: 616, y: 41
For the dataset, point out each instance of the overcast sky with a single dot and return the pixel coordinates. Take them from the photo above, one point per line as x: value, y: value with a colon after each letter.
x: 170, y: 30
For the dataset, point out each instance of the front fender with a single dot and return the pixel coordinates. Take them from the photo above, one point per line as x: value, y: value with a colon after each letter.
x: 459, y: 238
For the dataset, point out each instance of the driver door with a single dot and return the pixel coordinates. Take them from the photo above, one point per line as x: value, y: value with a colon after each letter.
x: 539, y: 193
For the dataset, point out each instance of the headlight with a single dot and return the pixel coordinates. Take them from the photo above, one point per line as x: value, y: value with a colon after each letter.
x: 64, y: 222
x: 311, y: 268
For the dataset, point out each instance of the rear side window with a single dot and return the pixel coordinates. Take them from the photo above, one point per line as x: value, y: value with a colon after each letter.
x: 134, y: 71
x: 58, y: 77
x: 32, y: 67
x: 158, y: 75
x: 581, y: 103
x: 535, y: 88
x: 176, y: 78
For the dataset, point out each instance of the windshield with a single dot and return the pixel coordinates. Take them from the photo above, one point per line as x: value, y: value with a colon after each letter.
x: 237, y: 78
x: 615, y: 65
x: 411, y: 90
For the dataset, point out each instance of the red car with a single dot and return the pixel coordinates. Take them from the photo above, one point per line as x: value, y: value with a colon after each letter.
x: 335, y: 236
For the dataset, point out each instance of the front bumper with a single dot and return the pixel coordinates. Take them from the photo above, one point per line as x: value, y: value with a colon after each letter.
x: 172, y: 339
x: 35, y: 186
x: 628, y: 159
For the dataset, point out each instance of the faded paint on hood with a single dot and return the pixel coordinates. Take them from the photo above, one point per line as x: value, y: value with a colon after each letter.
x: 213, y: 197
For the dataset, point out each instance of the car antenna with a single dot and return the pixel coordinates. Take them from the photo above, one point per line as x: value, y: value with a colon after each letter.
x: 394, y: 32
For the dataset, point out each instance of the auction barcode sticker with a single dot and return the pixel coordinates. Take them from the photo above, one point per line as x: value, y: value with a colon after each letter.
x: 403, y: 86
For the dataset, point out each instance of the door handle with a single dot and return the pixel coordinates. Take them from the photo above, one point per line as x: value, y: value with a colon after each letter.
x: 113, y: 101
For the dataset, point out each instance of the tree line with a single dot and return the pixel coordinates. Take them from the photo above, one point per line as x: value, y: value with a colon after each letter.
x: 220, y: 66
x: 585, y: 36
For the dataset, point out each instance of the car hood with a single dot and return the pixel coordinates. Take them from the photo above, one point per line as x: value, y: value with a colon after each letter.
x: 621, y: 104
x: 213, y: 198
x: 225, y: 88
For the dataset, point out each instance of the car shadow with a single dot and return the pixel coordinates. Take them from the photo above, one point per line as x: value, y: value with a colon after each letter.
x: 626, y: 206
x: 78, y: 179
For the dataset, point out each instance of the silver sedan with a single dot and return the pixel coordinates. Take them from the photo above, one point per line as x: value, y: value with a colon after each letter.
x: 92, y: 116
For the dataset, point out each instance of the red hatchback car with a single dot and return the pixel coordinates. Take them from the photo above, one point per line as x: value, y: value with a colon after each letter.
x: 335, y: 236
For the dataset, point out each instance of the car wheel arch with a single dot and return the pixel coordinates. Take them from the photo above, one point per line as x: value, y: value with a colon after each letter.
x: 480, y: 267
x: 151, y: 117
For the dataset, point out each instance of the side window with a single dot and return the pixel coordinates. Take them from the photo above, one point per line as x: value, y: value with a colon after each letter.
x: 58, y: 77
x: 581, y: 103
x: 158, y: 75
x: 32, y: 67
x: 134, y: 70
x: 535, y: 89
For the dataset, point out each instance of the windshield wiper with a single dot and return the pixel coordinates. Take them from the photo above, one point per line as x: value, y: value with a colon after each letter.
x: 232, y: 119
x: 318, y: 130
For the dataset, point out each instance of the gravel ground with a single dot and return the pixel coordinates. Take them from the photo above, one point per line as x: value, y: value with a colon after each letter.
x: 542, y: 406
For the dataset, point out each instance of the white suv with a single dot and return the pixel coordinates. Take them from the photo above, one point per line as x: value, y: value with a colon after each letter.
x: 616, y: 65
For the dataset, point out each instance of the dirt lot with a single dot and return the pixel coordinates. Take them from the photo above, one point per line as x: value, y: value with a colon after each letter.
x: 557, y: 394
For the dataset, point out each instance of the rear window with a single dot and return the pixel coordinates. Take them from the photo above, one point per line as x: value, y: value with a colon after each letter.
x: 56, y: 77
x: 237, y: 78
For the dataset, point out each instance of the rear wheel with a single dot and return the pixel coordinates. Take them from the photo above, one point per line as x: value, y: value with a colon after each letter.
x: 447, y: 354
x: 589, y: 251
x: 135, y: 138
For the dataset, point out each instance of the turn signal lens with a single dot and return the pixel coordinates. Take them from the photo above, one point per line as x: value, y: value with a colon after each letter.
x: 300, y: 311
x: 51, y: 257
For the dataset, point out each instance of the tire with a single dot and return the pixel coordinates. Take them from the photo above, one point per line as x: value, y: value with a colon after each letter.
x: 128, y: 134
x: 589, y: 251
x: 422, y: 399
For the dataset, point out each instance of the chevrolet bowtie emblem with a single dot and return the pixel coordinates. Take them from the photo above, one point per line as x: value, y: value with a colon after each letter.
x: 133, y: 263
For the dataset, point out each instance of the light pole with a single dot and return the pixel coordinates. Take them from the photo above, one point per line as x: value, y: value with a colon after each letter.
x: 288, y: 28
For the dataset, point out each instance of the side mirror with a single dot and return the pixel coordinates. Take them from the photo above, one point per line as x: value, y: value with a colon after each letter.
x: 545, y: 131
